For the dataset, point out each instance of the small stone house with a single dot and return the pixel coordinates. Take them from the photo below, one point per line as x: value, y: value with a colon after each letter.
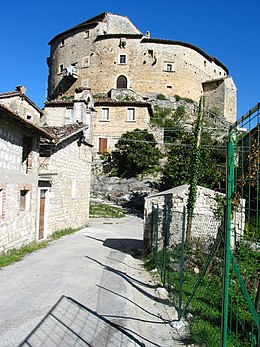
x: 19, y: 162
x: 113, y: 118
x: 64, y: 179
x: 18, y: 102
x: 204, y: 226
x: 44, y: 170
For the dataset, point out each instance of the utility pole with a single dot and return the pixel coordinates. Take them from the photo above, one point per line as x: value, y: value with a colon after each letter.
x: 194, y: 169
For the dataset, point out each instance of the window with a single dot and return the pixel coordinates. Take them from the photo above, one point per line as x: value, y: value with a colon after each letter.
x: 169, y: 67
x: 105, y: 114
x: 130, y: 114
x: 205, y: 63
x: 85, y: 62
x: 62, y: 42
x: 29, y: 117
x: 122, y: 59
x: 86, y: 34
x: 69, y: 114
x: 102, y: 146
x: 27, y: 154
x: 61, y: 68
x: 24, y: 199
x: 150, y: 53
x: 121, y: 82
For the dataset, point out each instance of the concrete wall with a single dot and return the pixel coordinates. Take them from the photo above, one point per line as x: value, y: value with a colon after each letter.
x: 17, y: 227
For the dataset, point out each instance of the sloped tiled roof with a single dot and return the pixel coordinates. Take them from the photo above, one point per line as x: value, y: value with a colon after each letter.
x: 108, y: 101
x: 59, y: 102
x: 61, y: 133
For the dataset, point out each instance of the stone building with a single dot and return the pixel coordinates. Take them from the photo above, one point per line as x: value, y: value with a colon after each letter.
x: 108, y: 52
x: 204, y: 225
x: 64, y: 179
x: 111, y: 118
x: 19, y: 162
x: 44, y: 170
x: 18, y: 102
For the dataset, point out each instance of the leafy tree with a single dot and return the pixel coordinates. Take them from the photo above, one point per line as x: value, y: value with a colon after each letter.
x: 212, y: 166
x: 136, y: 152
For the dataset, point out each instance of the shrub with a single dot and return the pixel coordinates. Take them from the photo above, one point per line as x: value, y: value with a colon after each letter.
x: 160, y: 97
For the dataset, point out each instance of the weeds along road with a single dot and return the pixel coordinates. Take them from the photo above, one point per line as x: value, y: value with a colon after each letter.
x: 86, y: 289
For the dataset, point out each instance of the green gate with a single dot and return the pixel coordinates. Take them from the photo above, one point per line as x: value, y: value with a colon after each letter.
x: 241, y: 303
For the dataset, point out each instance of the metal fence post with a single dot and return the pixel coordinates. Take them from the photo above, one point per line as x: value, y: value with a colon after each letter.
x: 182, y: 262
x: 227, y: 259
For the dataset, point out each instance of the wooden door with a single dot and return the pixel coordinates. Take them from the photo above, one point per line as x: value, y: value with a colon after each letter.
x: 42, y: 213
x: 102, y: 145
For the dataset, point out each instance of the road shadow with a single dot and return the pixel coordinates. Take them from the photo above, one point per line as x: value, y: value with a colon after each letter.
x: 134, y: 247
x: 69, y: 323
x: 130, y: 246
x: 135, y: 283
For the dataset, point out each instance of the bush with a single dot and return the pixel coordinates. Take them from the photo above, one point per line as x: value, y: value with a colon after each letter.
x: 160, y: 97
x: 136, y: 153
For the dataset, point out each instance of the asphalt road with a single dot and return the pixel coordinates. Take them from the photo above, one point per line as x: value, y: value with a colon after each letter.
x: 86, y: 289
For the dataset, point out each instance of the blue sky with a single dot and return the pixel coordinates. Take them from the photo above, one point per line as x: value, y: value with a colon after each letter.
x: 228, y: 30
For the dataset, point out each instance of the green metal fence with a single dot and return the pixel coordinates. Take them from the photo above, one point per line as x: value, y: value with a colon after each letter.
x: 218, y: 281
x: 240, y: 320
x: 191, y: 272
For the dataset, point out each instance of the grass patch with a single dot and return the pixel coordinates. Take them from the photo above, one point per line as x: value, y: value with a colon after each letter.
x: 206, y: 306
x: 105, y: 211
x: 63, y: 232
x: 14, y: 255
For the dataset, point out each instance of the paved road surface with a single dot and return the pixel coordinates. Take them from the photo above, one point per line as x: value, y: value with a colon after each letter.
x: 86, y: 289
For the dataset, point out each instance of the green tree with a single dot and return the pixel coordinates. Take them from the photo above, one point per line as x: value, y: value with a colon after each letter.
x: 212, y: 167
x: 135, y: 153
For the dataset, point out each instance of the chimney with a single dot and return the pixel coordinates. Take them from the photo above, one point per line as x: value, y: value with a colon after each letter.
x: 20, y: 89
x: 147, y: 34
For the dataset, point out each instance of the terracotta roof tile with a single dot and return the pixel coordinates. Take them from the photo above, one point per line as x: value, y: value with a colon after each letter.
x: 63, y: 132
x: 108, y: 101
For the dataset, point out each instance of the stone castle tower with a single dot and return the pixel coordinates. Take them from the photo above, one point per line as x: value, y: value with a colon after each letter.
x: 108, y: 52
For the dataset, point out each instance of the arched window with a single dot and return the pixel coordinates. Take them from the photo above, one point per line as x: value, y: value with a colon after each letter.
x: 121, y: 82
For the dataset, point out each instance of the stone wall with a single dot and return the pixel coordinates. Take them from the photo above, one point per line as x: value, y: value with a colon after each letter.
x: 204, y: 226
x: 220, y: 97
x: 17, y: 223
x: 68, y: 195
x: 161, y: 66
x: 117, y: 123
x: 21, y: 106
